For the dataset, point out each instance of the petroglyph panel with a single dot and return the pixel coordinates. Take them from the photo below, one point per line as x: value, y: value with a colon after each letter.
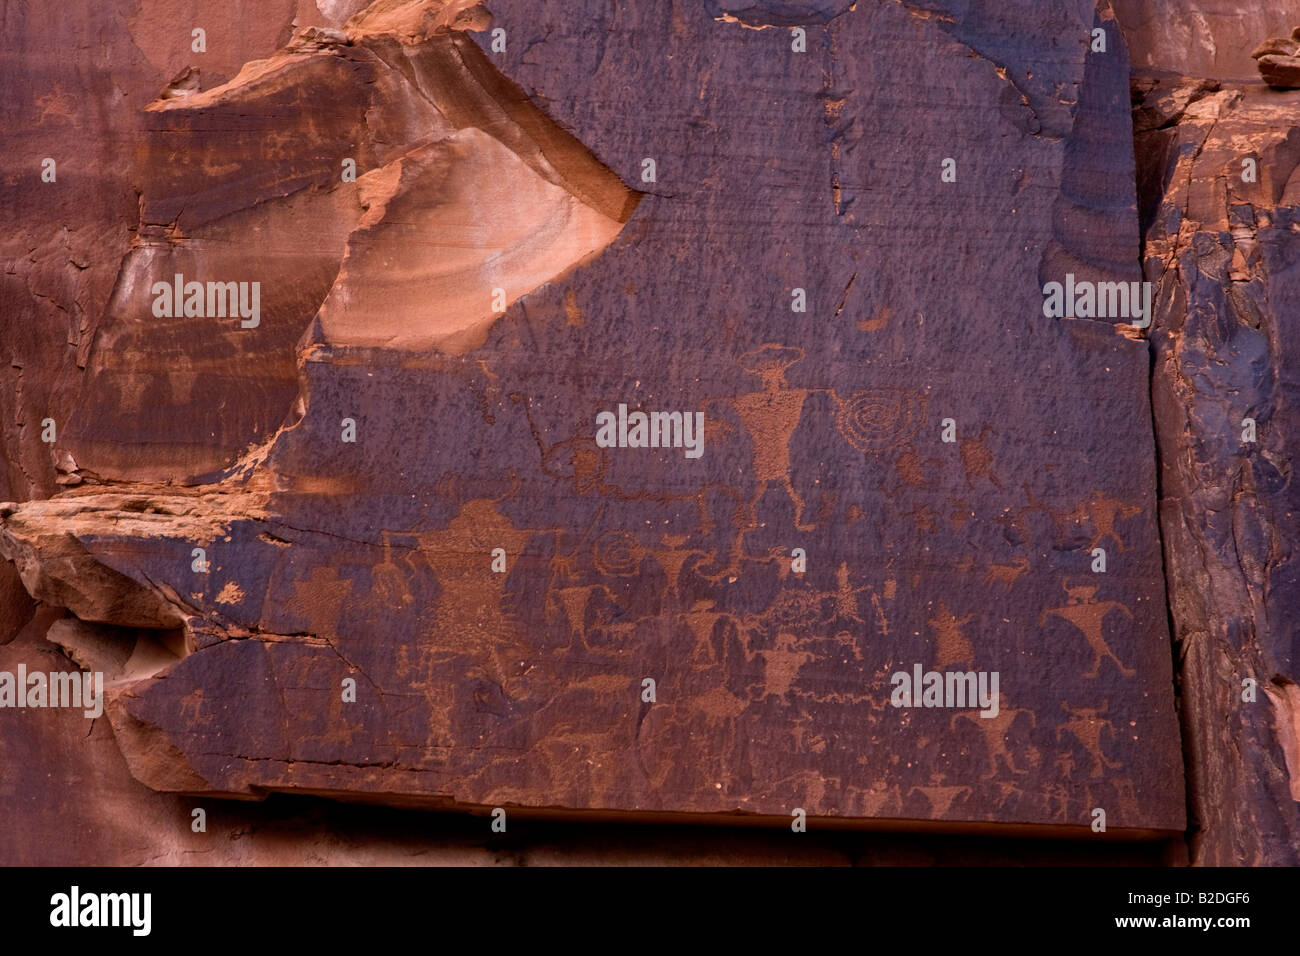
x: 914, y: 475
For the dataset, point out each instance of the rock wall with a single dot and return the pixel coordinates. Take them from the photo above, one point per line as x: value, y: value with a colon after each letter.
x: 1203, y: 38
x: 371, y: 536
x: 1217, y: 163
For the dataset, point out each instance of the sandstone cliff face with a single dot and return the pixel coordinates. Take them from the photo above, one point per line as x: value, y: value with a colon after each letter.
x: 1203, y: 38
x: 1218, y: 183
x: 556, y: 212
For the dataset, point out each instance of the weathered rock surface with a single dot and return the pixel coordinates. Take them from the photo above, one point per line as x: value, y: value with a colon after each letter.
x: 503, y: 268
x: 372, y: 560
x: 1279, y: 61
x: 1220, y: 190
x: 1203, y: 38
x: 1280, y: 46
x: 1280, y: 71
x: 79, y: 805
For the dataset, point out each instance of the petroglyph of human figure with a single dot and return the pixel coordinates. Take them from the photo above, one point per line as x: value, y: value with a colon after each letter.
x: 469, y: 616
x: 1086, y: 613
x: 995, y: 731
x: 770, y: 417
x: 1085, y: 725
x: 953, y: 648
x: 1103, y: 512
x: 940, y: 798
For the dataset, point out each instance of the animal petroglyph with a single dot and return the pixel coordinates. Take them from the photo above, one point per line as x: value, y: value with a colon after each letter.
x: 1005, y: 575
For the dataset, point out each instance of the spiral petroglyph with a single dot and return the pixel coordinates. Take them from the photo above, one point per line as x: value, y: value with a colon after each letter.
x: 618, y: 554
x: 879, y: 419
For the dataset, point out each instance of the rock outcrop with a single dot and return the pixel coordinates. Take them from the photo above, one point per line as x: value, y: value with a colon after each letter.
x: 1220, y: 190
x: 1212, y: 39
x: 312, y: 344
x: 1279, y: 60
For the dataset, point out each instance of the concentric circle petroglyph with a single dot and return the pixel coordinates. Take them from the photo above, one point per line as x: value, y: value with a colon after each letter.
x: 618, y: 554
x: 878, y: 419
